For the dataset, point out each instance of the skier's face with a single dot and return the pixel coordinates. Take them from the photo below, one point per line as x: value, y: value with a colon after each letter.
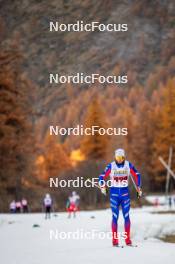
x: 119, y: 159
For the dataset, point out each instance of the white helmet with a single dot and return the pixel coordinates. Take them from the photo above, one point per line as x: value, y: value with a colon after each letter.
x: 120, y: 152
x: 120, y: 155
x: 74, y: 193
x: 47, y: 195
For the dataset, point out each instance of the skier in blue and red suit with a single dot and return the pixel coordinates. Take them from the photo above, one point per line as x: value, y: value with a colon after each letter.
x: 118, y: 172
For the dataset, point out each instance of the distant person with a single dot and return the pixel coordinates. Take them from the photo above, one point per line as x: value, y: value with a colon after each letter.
x: 13, y: 207
x: 174, y: 200
x: 47, y: 205
x: 18, y: 207
x: 170, y: 201
x: 24, y: 205
x: 156, y: 202
x: 72, y: 204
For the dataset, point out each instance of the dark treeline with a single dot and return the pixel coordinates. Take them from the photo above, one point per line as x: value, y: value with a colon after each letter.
x: 16, y: 133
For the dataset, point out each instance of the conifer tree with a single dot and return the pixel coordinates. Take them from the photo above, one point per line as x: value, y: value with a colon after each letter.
x: 95, y: 147
x: 56, y: 159
x: 142, y: 140
x: 16, y: 139
x: 165, y: 134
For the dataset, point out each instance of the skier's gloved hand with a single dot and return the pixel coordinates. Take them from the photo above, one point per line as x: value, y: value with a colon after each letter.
x: 139, y: 192
x: 103, y: 190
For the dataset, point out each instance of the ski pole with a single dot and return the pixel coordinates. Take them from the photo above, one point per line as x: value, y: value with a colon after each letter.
x: 135, y: 186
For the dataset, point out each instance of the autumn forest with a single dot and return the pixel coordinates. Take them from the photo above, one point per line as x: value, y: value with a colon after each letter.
x: 29, y: 155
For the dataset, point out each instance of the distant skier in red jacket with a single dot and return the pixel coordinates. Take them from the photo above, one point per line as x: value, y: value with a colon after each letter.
x: 72, y: 204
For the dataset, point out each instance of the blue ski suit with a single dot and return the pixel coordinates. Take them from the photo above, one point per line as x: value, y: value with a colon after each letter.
x: 117, y: 175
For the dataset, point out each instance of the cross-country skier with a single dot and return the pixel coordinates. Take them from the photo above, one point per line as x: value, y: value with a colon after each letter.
x: 47, y: 205
x: 18, y: 207
x: 118, y: 172
x: 72, y: 204
x: 24, y: 205
x: 13, y: 207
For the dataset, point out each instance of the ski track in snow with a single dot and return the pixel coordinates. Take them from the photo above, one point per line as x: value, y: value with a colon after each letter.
x: 21, y: 243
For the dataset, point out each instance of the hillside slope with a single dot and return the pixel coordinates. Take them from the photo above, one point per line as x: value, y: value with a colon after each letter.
x: 148, y: 42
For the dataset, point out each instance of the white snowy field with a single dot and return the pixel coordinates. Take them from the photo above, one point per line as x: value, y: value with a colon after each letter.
x: 21, y: 243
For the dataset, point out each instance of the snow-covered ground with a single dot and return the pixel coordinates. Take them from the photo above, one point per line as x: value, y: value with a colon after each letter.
x: 22, y: 243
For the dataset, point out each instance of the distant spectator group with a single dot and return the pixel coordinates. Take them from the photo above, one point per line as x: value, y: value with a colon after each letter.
x: 168, y: 201
x: 19, y: 206
x: 72, y: 205
x: 171, y: 201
